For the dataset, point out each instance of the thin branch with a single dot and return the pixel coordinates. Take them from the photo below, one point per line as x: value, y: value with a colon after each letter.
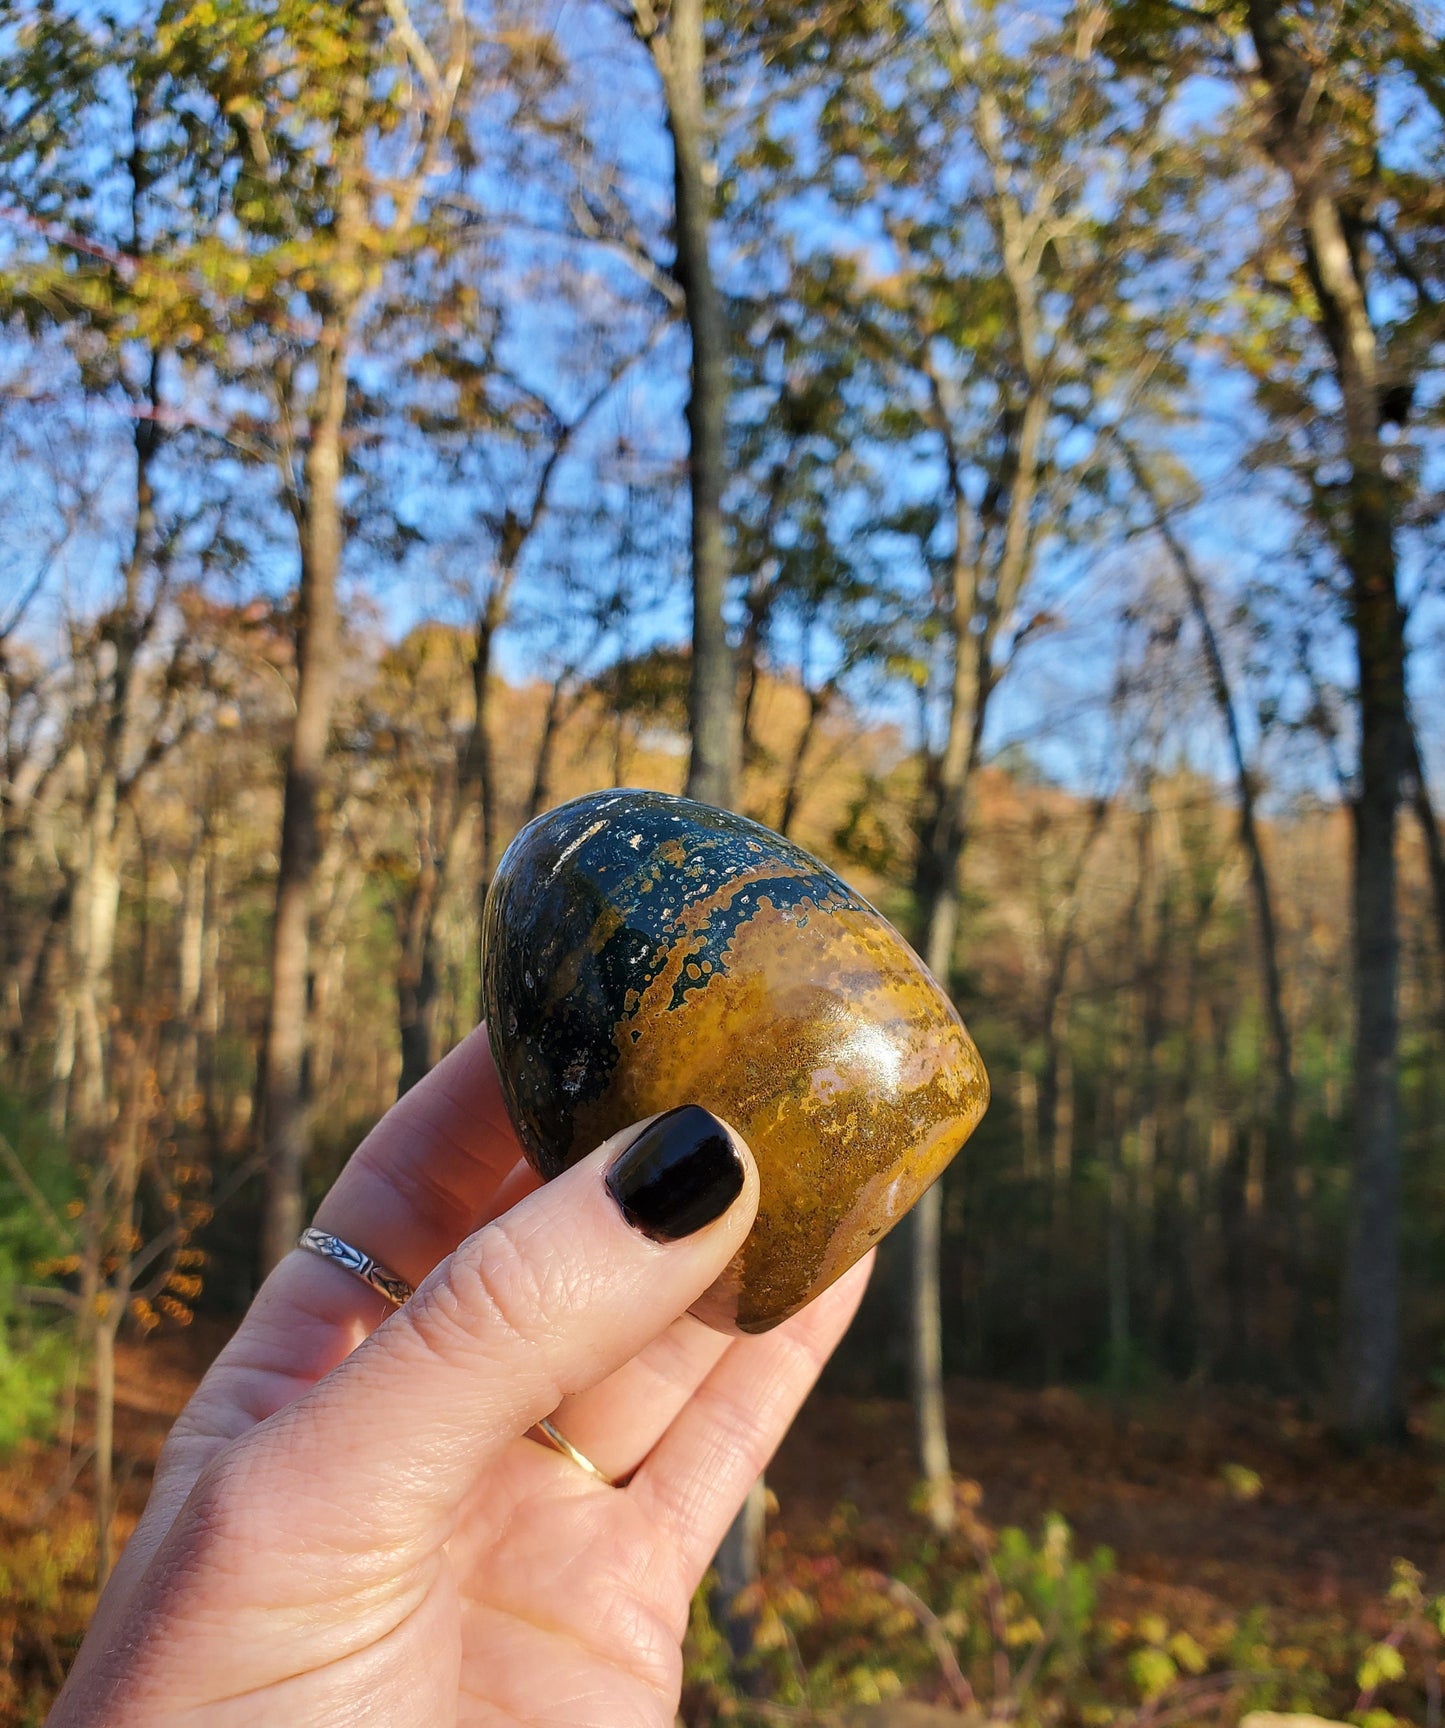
x: 420, y: 55
x: 43, y: 1296
x: 940, y: 1643
x: 10, y: 1158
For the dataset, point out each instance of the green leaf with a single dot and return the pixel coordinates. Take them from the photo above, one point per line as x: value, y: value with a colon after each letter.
x: 1152, y: 1672
x: 1382, y: 1663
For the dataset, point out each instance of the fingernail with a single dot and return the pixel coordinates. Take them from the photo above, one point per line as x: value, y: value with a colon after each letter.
x: 680, y: 1173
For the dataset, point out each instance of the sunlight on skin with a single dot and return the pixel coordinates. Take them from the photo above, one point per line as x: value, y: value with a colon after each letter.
x: 348, y: 1520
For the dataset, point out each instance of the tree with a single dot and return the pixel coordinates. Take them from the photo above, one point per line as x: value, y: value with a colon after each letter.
x: 980, y: 290
x: 675, y: 39
x: 1346, y: 303
x: 106, y: 295
x: 1313, y: 141
x: 295, y: 110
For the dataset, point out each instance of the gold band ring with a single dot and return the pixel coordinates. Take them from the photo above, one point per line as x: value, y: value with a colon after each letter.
x: 553, y: 1437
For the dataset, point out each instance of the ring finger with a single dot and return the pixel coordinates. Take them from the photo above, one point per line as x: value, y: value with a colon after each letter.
x: 616, y: 1423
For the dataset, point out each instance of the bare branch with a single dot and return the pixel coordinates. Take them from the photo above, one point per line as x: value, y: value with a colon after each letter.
x: 10, y: 1158
x: 417, y: 50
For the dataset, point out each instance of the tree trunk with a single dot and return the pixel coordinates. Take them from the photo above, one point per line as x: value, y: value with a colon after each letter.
x: 33, y: 971
x: 712, y: 694
x: 937, y: 897
x: 1336, y: 257
x: 339, y: 877
x: 103, y: 1385
x: 818, y: 703
x: 12, y: 936
x: 474, y: 783
x: 93, y: 914
x: 1373, y: 1407
x: 184, y: 1060
x: 480, y: 764
x: 416, y: 979
x: 110, y: 1234
x: 1117, y: 1269
x: 1429, y: 824
x: 541, y: 794
x: 285, y: 1127
x: 95, y: 901
x: 930, y: 1410
x: 417, y: 1004
x: 1058, y: 1121
x: 1372, y: 1289
x: 738, y: 1563
x: 209, y: 1011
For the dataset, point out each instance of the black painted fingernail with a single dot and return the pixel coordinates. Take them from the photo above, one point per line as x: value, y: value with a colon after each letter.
x: 680, y: 1173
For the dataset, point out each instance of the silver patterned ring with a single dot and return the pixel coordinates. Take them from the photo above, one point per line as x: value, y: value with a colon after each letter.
x: 381, y: 1278
x: 553, y: 1437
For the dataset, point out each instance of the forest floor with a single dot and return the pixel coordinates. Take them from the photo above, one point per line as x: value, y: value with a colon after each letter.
x: 1214, y: 1506
x: 1203, y: 1498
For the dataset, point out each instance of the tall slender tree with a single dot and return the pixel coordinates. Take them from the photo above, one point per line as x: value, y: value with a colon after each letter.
x: 1348, y: 306
x: 326, y: 128
x: 676, y: 41
x: 977, y: 291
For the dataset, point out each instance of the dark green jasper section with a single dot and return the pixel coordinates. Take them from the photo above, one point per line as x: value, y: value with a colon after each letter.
x: 644, y: 952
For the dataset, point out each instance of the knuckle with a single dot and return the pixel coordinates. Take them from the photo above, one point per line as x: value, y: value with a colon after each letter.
x: 226, y: 1506
x: 651, y: 1640
x: 632, y: 1616
x: 499, y: 1295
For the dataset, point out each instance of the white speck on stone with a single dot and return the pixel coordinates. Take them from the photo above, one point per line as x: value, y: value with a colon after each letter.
x: 567, y: 851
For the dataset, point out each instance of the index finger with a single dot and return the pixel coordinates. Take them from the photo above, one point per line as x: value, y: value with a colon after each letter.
x: 430, y: 1172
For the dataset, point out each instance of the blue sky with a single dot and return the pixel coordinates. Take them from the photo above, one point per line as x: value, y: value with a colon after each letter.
x: 1241, y: 531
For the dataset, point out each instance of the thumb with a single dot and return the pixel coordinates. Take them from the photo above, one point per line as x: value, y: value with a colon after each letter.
x: 543, y: 1302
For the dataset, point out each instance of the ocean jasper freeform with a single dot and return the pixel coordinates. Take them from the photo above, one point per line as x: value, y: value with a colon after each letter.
x: 642, y: 951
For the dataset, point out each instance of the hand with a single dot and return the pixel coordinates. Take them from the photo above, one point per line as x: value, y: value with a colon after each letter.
x: 349, y: 1524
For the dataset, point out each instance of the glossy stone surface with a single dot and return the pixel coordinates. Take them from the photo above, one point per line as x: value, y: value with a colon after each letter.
x: 643, y: 951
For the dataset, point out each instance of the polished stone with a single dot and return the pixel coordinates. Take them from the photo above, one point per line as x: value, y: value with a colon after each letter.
x: 642, y: 951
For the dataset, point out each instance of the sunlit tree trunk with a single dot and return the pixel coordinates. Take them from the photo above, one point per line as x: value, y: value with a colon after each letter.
x: 285, y: 1123
x: 95, y: 888
x: 108, y: 1244
x: 677, y: 50
x: 179, y: 1078
x: 1335, y: 253
x: 1429, y: 823
x: 210, y: 1008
